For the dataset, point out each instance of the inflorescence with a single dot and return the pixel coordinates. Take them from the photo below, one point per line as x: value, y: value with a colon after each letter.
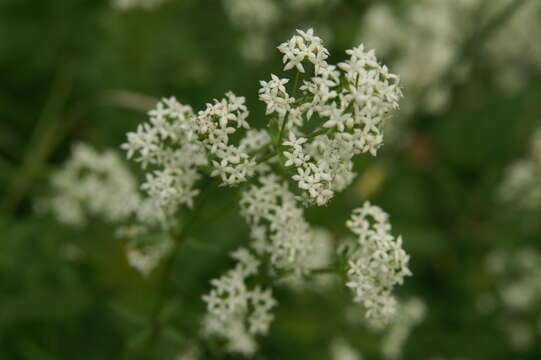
x: 318, y: 123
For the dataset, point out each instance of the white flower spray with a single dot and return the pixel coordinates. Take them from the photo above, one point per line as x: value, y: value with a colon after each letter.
x: 318, y: 124
x: 376, y: 263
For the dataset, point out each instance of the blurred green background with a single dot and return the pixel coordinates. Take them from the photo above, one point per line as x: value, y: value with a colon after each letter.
x: 84, y: 71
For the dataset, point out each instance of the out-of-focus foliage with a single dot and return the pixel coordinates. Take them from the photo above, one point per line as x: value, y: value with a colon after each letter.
x: 83, y: 71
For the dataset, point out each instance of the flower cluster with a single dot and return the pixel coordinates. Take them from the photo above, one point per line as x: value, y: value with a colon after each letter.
x: 376, y: 263
x: 166, y: 144
x: 279, y: 229
x: 320, y: 257
x: 99, y: 185
x: 351, y: 101
x: 316, y: 128
x: 214, y: 125
x: 92, y: 184
x: 179, y: 144
x: 237, y: 312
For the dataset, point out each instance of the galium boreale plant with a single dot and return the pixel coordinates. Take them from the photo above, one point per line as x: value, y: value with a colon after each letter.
x: 320, y: 118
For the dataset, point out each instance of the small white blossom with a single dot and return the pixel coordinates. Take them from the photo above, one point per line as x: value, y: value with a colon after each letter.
x: 274, y: 94
x: 303, y: 46
x: 145, y: 258
x: 214, y: 126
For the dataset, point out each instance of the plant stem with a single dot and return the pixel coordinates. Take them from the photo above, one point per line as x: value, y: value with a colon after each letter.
x: 317, y: 133
x: 42, y: 141
x: 471, y: 48
x: 286, y: 118
x: 324, y: 270
x: 167, y: 272
x: 267, y: 157
x: 496, y: 22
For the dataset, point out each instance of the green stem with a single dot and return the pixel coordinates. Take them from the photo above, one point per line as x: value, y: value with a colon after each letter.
x: 472, y: 46
x: 167, y: 272
x: 296, y: 83
x: 43, y: 140
x: 496, y: 22
x: 261, y: 149
x: 267, y: 157
x: 324, y: 270
x: 286, y: 118
x: 317, y: 133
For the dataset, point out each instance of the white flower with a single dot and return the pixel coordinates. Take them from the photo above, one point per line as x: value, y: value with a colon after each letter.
x: 376, y: 264
x: 214, y: 125
x: 145, y: 258
x: 168, y: 144
x: 171, y: 187
x: 236, y: 312
x: 274, y: 94
x: 354, y: 113
x: 296, y: 156
x: 321, y: 256
x: 301, y: 47
x: 281, y: 231
x: 92, y: 184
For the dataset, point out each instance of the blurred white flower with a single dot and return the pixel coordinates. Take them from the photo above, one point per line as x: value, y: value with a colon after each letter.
x: 521, y: 185
x: 411, y: 313
x: 342, y: 350
x: 146, y: 258
x: 423, y: 39
x: 132, y: 4
x: 92, y: 184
